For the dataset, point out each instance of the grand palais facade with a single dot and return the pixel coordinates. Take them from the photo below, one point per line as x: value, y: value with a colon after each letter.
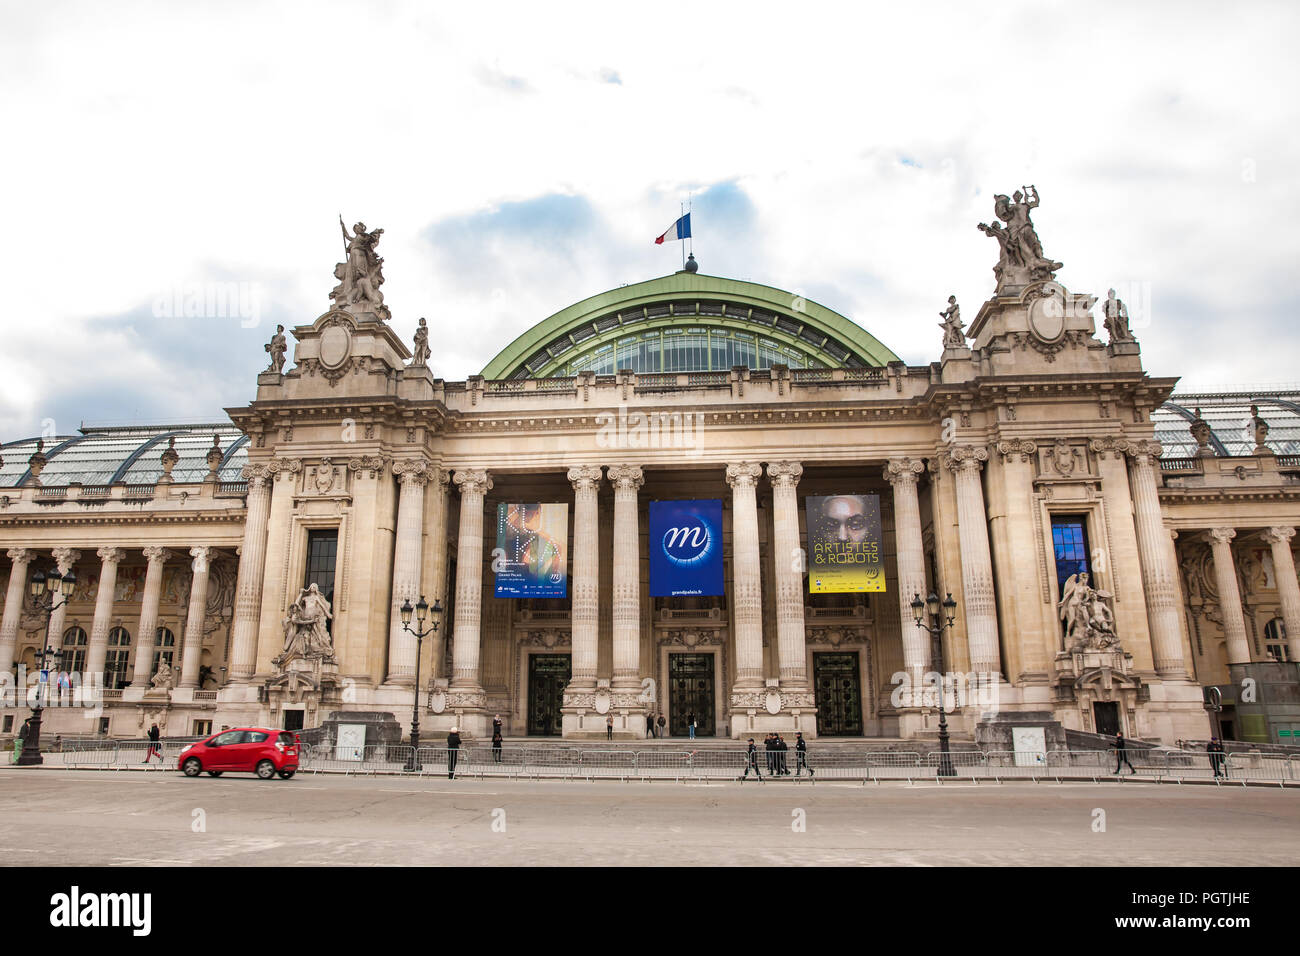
x: 1114, y: 549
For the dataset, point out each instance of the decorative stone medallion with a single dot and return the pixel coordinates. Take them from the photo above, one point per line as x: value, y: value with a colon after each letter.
x: 602, y: 701
x: 335, y: 344
x: 437, y: 702
x: 1047, y: 314
x: 772, y: 702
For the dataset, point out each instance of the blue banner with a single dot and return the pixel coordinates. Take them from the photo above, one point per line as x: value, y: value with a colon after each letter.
x: 686, y: 548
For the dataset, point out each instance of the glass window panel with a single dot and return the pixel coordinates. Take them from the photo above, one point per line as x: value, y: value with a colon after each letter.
x: 1070, y: 544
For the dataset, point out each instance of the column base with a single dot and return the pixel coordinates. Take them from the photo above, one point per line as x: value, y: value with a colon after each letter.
x: 772, y: 710
x: 589, y: 725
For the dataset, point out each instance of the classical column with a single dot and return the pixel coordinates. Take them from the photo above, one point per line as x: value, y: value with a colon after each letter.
x: 473, y: 485
x: 902, y: 475
x: 746, y: 585
x: 97, y: 652
x: 1288, y: 589
x: 15, y: 595
x: 626, y: 479
x: 65, y: 559
x: 195, y: 618
x: 1225, y: 575
x: 980, y: 608
x: 252, y: 572
x: 412, y: 475
x: 586, y: 575
x: 1155, y: 554
x: 147, y: 629
x: 791, y: 655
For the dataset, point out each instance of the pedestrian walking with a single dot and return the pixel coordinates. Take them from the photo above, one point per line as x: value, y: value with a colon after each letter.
x: 154, y: 749
x: 609, y: 727
x: 1121, y: 754
x: 453, y: 750
x: 1215, y: 750
x: 496, y: 745
x: 663, y: 725
x: 751, y: 761
x: 801, y: 755
x: 690, y: 724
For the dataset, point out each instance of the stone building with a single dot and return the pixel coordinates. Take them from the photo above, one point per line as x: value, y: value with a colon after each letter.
x: 1113, y: 553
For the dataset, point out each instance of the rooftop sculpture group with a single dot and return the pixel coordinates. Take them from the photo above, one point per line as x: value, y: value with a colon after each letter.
x: 361, y: 274
x: 1021, y: 261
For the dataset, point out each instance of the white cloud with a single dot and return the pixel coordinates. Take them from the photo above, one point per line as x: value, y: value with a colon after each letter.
x: 154, y: 145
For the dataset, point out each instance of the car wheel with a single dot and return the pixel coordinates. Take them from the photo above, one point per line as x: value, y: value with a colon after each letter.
x: 286, y: 774
x: 265, y: 769
x: 192, y: 767
x: 215, y: 773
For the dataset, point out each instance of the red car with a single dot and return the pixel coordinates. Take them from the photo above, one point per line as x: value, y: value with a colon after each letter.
x: 256, y: 750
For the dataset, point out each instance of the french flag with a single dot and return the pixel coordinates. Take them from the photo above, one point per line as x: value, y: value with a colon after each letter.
x: 681, y: 229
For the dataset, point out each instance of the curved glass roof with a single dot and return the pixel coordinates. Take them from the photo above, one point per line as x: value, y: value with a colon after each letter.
x: 130, y: 454
x: 688, y: 322
x: 1230, y: 421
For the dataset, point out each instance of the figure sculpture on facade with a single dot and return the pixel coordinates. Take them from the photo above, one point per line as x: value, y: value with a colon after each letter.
x: 953, y: 336
x: 420, y: 354
x: 1021, y: 260
x: 165, y: 679
x: 1201, y: 434
x: 1259, y: 429
x: 1089, y: 621
x: 277, y: 347
x: 361, y: 274
x: 306, y: 628
x: 1116, y: 319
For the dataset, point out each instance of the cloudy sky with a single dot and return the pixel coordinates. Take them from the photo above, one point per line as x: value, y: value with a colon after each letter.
x: 522, y: 157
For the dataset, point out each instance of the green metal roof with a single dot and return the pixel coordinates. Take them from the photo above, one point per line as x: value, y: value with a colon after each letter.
x: 683, y: 299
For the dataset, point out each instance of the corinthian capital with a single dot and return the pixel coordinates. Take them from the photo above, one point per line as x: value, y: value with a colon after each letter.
x: 411, y: 471
x: 202, y: 559
x: 743, y: 474
x: 1019, y: 449
x: 1144, y: 452
x: 1279, y: 534
x: 584, y: 477
x: 1221, y: 536
x: 21, y: 555
x: 473, y: 481
x: 371, y: 465
x: 255, y: 474
x: 156, y: 555
x: 784, y: 474
x: 284, y: 466
x: 1110, y: 445
x: 903, y: 470
x: 65, y: 558
x: 625, y: 477
x: 111, y: 555
x: 965, y: 458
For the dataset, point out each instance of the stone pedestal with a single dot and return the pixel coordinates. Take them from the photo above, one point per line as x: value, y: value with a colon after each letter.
x: 381, y: 726
x: 997, y: 731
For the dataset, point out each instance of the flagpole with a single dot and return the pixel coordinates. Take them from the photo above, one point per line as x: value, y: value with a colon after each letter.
x: 681, y: 209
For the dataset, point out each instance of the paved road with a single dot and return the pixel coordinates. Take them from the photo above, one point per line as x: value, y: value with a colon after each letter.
x: 50, y: 817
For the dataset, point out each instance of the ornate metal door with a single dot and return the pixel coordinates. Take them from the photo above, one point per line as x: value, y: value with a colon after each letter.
x: 1106, y: 715
x: 839, y: 694
x: 690, y: 690
x: 548, y: 675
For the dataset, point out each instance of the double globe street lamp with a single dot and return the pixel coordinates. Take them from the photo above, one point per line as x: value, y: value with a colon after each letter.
x: 931, y: 609
x: 421, y: 610
x: 46, y: 589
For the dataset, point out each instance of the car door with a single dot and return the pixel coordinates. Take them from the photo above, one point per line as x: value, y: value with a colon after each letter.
x: 222, y: 750
x: 253, y: 749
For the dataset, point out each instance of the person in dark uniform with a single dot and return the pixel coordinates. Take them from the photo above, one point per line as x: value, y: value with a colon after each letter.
x: 782, y: 760
x: 801, y: 755
x: 496, y: 745
x: 751, y: 761
x: 650, y: 724
x: 453, y: 750
x: 496, y: 724
x: 1215, y: 750
x: 769, y: 755
x: 1121, y: 753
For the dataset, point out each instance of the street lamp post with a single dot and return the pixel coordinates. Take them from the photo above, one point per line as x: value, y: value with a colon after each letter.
x: 45, y: 589
x: 420, y: 631
x: 931, y: 609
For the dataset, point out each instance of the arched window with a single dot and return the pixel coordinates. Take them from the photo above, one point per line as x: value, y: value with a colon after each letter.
x: 164, y: 649
x: 74, y: 650
x: 1275, y: 644
x: 119, y: 653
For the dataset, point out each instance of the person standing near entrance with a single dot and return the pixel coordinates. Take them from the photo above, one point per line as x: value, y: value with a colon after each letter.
x: 1215, y: 750
x: 496, y: 724
x: 1121, y: 753
x: 650, y: 725
x: 663, y: 725
x: 690, y: 724
x: 609, y: 727
x: 496, y: 744
x: 801, y: 755
x: 751, y: 761
x: 453, y: 750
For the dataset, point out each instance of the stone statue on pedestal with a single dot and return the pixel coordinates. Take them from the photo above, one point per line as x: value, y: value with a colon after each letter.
x: 1260, y: 429
x: 1116, y: 319
x: 361, y: 274
x: 165, y: 679
x: 1021, y: 260
x: 277, y: 347
x: 953, y: 336
x: 1089, y: 621
x: 306, y: 633
x: 420, y: 354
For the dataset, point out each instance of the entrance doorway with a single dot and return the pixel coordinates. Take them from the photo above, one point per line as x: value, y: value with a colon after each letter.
x: 1105, y: 717
x: 690, y: 691
x: 548, y: 675
x: 293, y: 719
x: 839, y: 694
